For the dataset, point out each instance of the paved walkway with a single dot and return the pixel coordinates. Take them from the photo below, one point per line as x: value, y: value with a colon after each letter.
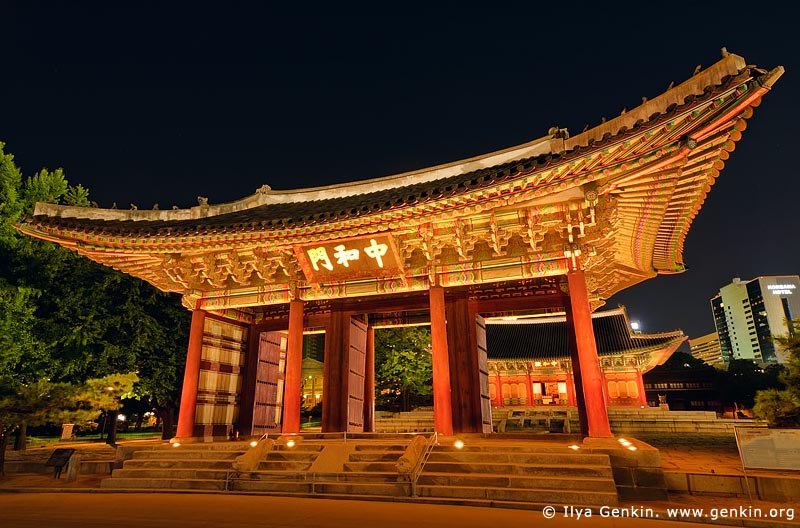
x: 166, y: 510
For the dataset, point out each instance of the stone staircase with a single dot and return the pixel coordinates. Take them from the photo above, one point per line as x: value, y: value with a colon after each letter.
x: 201, y: 466
x: 357, y: 467
x: 310, y: 467
x: 515, y: 474
x: 417, y: 421
x: 485, y: 472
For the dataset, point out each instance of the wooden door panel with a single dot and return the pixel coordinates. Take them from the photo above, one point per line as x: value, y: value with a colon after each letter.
x: 267, y: 401
x: 483, y: 369
x: 357, y: 356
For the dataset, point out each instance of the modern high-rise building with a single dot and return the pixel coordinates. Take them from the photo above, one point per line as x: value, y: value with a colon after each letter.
x: 750, y: 314
x: 706, y: 348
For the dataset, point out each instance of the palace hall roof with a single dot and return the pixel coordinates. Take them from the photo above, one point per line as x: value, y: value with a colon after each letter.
x: 545, y: 339
x: 620, y: 196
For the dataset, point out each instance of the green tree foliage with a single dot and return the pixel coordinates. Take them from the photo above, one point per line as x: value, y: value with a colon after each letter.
x: 106, y: 394
x: 154, y: 327
x: 781, y: 408
x: 739, y: 384
x: 34, y: 403
x: 19, y: 350
x: 403, y: 367
x: 27, y: 269
x: 67, y: 319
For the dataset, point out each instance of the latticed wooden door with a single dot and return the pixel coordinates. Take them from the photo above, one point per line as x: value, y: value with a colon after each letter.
x: 268, y: 397
x: 357, y: 362
x: 483, y: 369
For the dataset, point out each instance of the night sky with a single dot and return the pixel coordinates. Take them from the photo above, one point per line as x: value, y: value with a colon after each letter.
x: 154, y: 106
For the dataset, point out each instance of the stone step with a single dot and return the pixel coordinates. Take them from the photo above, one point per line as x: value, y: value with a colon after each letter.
x: 518, y: 458
x: 206, y: 446
x: 376, y: 456
x: 547, y: 496
x: 272, y: 486
x: 403, y: 420
x: 370, y: 467
x: 399, y: 428
x: 186, y: 454
x: 397, y: 489
x: 284, y: 465
x: 403, y: 429
x: 319, y: 487
x: 285, y: 461
x: 147, y: 463
x: 532, y: 447
x: 361, y: 437
x: 376, y: 446
x: 305, y: 447
x: 522, y: 482
x: 485, y: 503
x: 574, y: 471
x: 293, y: 476
x: 148, y: 483
x: 292, y: 455
x: 170, y: 473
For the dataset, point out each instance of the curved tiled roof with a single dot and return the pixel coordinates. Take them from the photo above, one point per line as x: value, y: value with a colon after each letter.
x: 546, y: 338
x: 622, y: 194
x: 292, y: 209
x: 293, y: 214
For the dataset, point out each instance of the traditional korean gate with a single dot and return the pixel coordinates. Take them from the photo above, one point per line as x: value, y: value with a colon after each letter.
x: 356, y: 366
x: 483, y: 370
x: 269, y: 383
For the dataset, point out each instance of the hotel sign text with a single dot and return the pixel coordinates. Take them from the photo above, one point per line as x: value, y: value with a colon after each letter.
x: 781, y: 289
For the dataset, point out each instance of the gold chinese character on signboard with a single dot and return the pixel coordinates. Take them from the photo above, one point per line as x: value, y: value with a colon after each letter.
x: 320, y: 256
x: 344, y: 256
x: 354, y: 258
x: 376, y: 251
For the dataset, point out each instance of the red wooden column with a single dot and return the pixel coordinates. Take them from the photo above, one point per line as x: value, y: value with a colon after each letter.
x: 590, y: 375
x: 294, y: 369
x: 369, y: 382
x: 334, y: 372
x: 442, y: 404
x: 529, y: 388
x: 640, y: 384
x: 191, y: 376
x: 499, y: 384
x: 570, y: 389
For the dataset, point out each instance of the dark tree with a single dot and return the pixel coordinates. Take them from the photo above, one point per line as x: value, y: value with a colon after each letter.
x: 403, y: 367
